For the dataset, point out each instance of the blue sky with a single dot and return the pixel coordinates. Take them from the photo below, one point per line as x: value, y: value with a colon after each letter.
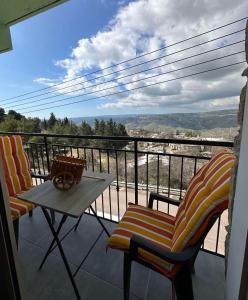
x: 48, y: 37
x: 81, y: 36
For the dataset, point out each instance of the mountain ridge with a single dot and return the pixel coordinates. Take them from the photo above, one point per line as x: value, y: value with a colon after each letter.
x: 193, y: 121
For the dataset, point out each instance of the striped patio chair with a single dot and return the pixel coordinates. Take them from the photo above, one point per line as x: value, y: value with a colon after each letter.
x: 17, y: 176
x: 167, y: 244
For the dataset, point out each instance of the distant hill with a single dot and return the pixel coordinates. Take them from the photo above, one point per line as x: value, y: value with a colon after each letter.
x: 193, y: 121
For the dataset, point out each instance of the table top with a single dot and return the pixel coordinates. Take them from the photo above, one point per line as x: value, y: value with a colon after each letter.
x: 72, y: 202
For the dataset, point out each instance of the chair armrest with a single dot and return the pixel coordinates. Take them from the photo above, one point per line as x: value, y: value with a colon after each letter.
x: 182, y: 257
x: 155, y: 196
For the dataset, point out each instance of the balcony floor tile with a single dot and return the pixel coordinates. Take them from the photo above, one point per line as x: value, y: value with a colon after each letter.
x: 100, y: 277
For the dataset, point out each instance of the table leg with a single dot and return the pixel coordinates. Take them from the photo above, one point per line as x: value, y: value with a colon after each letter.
x: 61, y: 252
x: 99, y: 220
x: 76, y: 226
x: 53, y: 241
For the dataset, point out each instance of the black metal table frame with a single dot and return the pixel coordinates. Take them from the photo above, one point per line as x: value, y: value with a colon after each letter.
x: 56, y: 242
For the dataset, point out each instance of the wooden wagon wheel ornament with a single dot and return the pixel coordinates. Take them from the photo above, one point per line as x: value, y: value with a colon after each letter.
x: 66, y: 171
x: 63, y: 180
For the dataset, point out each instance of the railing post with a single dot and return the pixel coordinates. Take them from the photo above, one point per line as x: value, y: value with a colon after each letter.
x: 47, y: 153
x: 136, y: 170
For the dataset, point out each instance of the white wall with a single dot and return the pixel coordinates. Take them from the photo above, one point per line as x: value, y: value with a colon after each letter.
x: 240, y: 218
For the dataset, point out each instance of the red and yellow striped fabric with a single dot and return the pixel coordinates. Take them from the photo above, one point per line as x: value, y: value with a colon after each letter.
x: 153, y: 225
x: 16, y: 172
x: 9, y: 166
x: 207, y: 194
x: 21, y: 162
x: 19, y: 207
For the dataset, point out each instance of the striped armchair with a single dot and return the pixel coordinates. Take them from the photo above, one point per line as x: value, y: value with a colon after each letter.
x: 17, y: 176
x: 167, y: 244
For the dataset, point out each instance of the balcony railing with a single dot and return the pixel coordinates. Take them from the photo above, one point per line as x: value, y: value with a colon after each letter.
x: 137, y: 171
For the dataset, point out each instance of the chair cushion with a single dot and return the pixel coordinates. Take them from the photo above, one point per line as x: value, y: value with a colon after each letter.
x: 21, y: 162
x: 16, y: 173
x: 9, y: 167
x: 207, y: 192
x: 19, y: 208
x: 155, y: 226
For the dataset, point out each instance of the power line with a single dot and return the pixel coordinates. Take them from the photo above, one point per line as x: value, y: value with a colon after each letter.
x: 137, y: 88
x: 131, y: 59
x: 130, y: 67
x: 134, y: 81
x: 118, y: 78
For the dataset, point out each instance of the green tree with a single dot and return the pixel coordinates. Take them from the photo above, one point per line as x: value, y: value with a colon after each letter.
x: 51, y: 121
x: 43, y: 124
x: 70, y: 128
x: 15, y: 114
x: 102, y: 127
x: 65, y: 121
x: 96, y: 126
x: 121, y: 130
x: 30, y: 125
x: 10, y: 124
x: 85, y: 129
x: 110, y: 128
x: 2, y: 114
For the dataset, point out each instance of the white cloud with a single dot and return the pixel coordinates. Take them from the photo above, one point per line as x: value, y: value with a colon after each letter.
x: 145, y: 25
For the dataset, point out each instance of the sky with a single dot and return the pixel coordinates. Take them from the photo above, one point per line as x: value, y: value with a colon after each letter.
x: 74, y: 51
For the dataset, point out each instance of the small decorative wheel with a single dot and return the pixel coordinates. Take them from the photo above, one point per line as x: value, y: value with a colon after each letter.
x: 63, y: 181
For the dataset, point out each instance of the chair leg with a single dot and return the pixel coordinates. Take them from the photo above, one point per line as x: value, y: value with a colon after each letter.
x: 126, y: 275
x: 30, y: 213
x: 16, y: 230
x: 183, y: 284
x: 77, y: 224
x: 173, y: 292
x: 192, y: 268
x: 192, y: 265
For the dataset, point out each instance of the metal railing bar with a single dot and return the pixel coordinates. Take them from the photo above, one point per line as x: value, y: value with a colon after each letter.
x: 110, y: 202
x: 147, y: 178
x: 131, y: 139
x: 158, y: 177
x: 100, y: 165
x: 181, y: 179
x: 125, y: 164
x: 117, y: 184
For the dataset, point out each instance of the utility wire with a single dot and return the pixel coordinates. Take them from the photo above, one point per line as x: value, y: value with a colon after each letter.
x: 129, y: 75
x: 131, y: 59
x: 127, y: 68
x: 137, y: 88
x: 134, y: 81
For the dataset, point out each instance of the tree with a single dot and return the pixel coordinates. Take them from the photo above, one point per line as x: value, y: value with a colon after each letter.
x: 15, y: 115
x: 102, y: 127
x: 10, y: 124
x: 2, y: 114
x: 43, y: 124
x: 96, y: 126
x: 121, y: 130
x: 110, y: 128
x: 86, y: 129
x: 65, y: 121
x: 51, y: 121
x: 36, y: 124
